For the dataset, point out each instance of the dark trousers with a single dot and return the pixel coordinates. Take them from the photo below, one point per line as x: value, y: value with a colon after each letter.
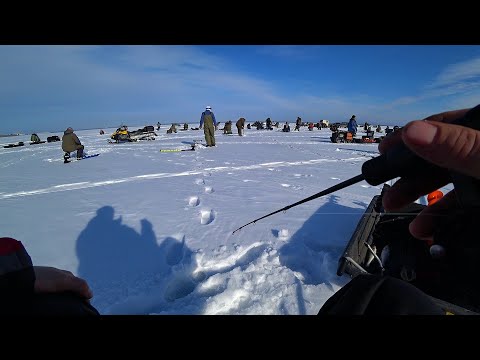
x: 375, y: 295
x: 240, y: 131
x: 79, y: 153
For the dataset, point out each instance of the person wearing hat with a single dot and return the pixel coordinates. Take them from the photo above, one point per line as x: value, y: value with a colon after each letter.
x: 209, y: 124
x: 352, y: 125
x: 70, y: 142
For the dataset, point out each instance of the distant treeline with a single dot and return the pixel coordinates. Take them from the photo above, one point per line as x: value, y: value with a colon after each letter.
x: 10, y: 135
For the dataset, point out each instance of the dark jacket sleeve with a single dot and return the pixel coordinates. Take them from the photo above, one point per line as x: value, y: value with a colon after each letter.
x: 17, y: 288
x: 17, y: 277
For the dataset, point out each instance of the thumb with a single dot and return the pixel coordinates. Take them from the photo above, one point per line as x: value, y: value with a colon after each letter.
x: 449, y: 146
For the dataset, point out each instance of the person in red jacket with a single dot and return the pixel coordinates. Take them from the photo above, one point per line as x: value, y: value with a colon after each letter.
x: 39, y: 290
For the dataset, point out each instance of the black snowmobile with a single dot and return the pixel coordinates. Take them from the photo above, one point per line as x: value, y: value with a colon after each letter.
x: 145, y: 133
x: 53, y: 138
x: 382, y: 245
x: 340, y: 136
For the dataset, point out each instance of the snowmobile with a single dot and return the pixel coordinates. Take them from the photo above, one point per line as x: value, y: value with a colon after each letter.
x: 382, y: 245
x: 123, y: 135
x: 369, y: 138
x: 146, y: 133
x: 340, y: 136
x: 53, y: 138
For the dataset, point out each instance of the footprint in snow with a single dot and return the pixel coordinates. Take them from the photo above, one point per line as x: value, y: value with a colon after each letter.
x: 208, y: 189
x: 283, y: 234
x: 206, y: 216
x: 220, y: 250
x: 193, y: 201
x: 199, y: 181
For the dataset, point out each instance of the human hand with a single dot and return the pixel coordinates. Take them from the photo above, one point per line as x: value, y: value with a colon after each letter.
x: 51, y: 280
x: 448, y: 146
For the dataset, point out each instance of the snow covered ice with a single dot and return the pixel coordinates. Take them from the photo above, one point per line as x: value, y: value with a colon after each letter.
x: 152, y: 231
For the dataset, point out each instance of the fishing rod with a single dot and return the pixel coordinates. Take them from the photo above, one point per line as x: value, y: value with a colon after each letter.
x: 330, y: 190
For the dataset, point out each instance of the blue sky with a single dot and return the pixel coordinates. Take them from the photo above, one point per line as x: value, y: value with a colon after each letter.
x: 49, y: 88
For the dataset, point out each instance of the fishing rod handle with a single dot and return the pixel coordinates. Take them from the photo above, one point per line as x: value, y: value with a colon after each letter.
x: 400, y: 161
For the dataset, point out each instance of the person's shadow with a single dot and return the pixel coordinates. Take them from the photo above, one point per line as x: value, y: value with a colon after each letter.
x: 110, y: 250
x: 119, y: 263
x: 313, y: 251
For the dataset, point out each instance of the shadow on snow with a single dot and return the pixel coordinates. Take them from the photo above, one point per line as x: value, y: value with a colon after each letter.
x: 133, y: 273
x: 313, y: 251
x: 120, y: 264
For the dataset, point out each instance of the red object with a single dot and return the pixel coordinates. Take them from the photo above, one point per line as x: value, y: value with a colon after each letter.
x: 434, y: 196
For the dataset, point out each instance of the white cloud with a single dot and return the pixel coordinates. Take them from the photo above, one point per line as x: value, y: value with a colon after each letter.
x: 50, y: 74
x: 457, y: 73
x: 174, y: 83
x: 457, y: 86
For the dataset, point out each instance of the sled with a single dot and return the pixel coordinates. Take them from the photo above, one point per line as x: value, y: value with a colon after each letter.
x: 20, y: 143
